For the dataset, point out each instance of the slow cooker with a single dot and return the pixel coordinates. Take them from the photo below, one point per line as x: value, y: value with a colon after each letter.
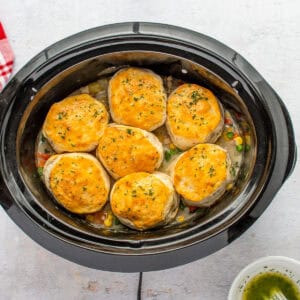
x: 82, y: 58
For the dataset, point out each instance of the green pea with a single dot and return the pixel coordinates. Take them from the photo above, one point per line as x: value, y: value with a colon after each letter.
x: 239, y: 148
x: 230, y: 135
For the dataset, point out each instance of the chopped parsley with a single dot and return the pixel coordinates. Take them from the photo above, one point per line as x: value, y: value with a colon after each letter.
x: 181, y: 205
x: 212, y: 171
x: 233, y: 171
x: 116, y: 220
x: 138, y: 98
x: 171, y: 152
x: 129, y: 131
x: 150, y: 193
x: 61, y: 115
x: 125, y: 81
x: 40, y: 171
x: 96, y: 113
x: 43, y: 139
x: 196, y: 96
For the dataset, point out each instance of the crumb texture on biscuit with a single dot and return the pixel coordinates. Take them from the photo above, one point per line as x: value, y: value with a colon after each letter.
x: 77, y: 181
x: 137, y: 98
x: 142, y: 200
x: 194, y: 115
x: 201, y: 173
x: 124, y: 150
x: 75, y: 124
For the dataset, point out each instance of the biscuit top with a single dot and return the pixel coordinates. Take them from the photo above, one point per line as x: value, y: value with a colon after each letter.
x: 75, y: 124
x: 141, y: 198
x: 201, y: 171
x: 137, y: 98
x: 193, y: 112
x: 78, y: 182
x: 124, y: 150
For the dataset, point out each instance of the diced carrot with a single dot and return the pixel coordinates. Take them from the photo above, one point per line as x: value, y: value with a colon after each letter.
x: 44, y: 156
x: 227, y: 121
x: 192, y: 208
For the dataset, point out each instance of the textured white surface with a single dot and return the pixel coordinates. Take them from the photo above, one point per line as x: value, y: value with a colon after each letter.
x: 267, y: 33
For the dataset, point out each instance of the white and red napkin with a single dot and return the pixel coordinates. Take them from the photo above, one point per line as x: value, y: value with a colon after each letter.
x: 6, y: 58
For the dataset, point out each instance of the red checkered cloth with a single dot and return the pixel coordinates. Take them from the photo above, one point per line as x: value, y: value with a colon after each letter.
x: 6, y: 58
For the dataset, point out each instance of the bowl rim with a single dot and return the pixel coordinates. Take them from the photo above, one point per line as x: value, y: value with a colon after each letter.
x: 258, y: 265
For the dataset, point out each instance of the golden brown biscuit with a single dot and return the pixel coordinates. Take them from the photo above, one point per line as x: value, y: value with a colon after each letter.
x: 200, y: 175
x: 75, y: 124
x: 137, y: 98
x: 143, y: 201
x: 124, y: 150
x: 77, y: 181
x: 194, y: 115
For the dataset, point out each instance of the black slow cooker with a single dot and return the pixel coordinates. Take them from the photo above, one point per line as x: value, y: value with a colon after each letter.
x: 82, y: 58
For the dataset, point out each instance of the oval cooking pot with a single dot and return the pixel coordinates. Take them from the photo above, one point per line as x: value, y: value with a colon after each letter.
x: 168, y: 50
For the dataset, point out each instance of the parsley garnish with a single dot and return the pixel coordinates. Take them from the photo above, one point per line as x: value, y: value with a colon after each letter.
x: 171, y: 152
x: 195, y: 97
x: 40, y: 171
x: 212, y: 171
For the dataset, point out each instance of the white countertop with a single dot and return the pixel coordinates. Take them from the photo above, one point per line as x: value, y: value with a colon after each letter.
x: 267, y: 33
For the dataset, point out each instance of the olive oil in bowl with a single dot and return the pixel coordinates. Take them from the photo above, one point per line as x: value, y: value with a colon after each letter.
x: 267, y: 285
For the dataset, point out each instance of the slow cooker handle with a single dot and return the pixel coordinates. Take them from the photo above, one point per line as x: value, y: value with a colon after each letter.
x: 288, y: 131
x: 5, y: 200
x: 292, y: 159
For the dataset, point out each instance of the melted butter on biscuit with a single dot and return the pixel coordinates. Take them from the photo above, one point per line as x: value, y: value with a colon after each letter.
x: 78, y: 182
x: 137, y: 98
x: 201, y: 171
x: 140, y: 198
x: 124, y: 150
x: 193, y: 116
x: 75, y: 124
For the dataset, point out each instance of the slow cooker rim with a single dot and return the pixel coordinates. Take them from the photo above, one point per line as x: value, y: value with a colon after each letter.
x: 158, y: 239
